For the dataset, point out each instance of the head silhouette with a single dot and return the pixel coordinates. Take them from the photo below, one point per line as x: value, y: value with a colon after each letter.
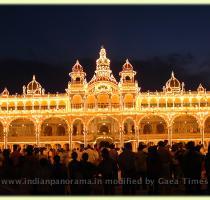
x: 85, y: 157
x: 74, y: 155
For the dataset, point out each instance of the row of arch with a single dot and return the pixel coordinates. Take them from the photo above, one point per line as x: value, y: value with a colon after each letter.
x: 105, y: 100
x: 153, y: 124
x: 176, y: 102
x: 36, y: 105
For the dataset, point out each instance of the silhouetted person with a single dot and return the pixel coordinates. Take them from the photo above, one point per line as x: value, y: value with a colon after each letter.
x: 15, y: 155
x: 59, y: 173
x: 113, y: 152
x: 207, y: 166
x: 192, y: 161
x: 109, y: 171
x: 141, y: 164
x: 128, y: 170
x: 153, y: 169
x: 87, y: 169
x: 75, y: 174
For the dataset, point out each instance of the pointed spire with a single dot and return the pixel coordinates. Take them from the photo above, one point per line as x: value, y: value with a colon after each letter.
x: 127, y: 65
x: 34, y: 78
x: 102, y: 53
x: 172, y: 74
x: 77, y: 62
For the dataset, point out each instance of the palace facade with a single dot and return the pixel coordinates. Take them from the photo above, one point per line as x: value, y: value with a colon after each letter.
x: 104, y: 109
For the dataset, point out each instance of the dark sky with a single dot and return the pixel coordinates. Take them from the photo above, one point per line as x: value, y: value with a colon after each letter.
x: 47, y: 40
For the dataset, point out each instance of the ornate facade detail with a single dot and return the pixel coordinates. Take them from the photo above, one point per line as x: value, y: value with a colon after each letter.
x: 104, y: 109
x: 33, y: 88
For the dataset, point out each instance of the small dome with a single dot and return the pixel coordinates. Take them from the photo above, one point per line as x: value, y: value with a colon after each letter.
x: 127, y: 66
x: 77, y: 67
x: 200, y: 88
x: 173, y: 85
x: 5, y: 92
x: 34, y: 87
x: 102, y: 61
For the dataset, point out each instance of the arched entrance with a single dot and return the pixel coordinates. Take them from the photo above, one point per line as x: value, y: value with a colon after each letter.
x: 207, y: 130
x: 54, y: 130
x: 153, y: 127
x: 103, y: 128
x: 1, y: 136
x: 21, y: 131
x: 185, y: 128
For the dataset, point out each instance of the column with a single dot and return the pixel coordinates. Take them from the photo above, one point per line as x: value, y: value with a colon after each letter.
x: 70, y: 138
x: 121, y: 137
x: 5, y: 137
x: 170, y: 134
x: 202, y: 133
x: 85, y: 136
x: 38, y: 131
x: 137, y: 137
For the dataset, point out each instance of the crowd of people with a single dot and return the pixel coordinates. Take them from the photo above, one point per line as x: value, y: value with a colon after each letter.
x: 103, y: 169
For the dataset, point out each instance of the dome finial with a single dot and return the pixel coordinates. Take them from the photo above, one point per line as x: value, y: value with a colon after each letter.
x: 34, y: 78
x: 172, y: 74
x: 102, y: 53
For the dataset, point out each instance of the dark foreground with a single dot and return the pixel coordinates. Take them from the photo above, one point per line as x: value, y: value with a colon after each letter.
x: 180, y: 169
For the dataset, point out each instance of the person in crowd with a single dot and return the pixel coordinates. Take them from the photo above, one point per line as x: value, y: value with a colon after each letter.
x: 141, y: 164
x: 192, y: 162
x: 109, y: 170
x: 113, y: 152
x: 75, y: 174
x: 127, y: 166
x: 88, y: 171
x: 153, y: 169
x: 207, y: 168
x: 59, y: 173
x: 92, y: 155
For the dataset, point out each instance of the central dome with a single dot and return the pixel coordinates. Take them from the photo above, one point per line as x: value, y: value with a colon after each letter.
x: 34, y: 87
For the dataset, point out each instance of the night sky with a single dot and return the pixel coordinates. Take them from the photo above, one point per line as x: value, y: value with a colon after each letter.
x: 47, y: 40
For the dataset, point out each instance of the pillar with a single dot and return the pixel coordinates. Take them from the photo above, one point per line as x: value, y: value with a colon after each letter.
x: 5, y: 137
x: 121, y: 138
x: 70, y: 138
x: 170, y: 134
x: 137, y: 137
x: 38, y: 132
x: 202, y: 134
x: 85, y: 136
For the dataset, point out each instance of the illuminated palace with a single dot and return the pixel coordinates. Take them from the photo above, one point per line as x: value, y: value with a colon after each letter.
x: 104, y: 109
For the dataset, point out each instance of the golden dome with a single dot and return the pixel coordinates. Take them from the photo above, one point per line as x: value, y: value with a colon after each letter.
x: 200, y: 88
x: 173, y: 85
x: 127, y: 66
x: 5, y: 92
x: 34, y: 87
x: 77, y: 67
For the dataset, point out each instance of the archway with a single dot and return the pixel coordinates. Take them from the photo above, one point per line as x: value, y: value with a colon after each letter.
x: 185, y: 127
x: 103, y: 127
x: 103, y: 100
x: 1, y: 136
x: 21, y: 130
x: 129, y: 126
x: 153, y: 127
x: 54, y: 129
x: 207, y: 130
x: 78, y: 127
x: 129, y: 101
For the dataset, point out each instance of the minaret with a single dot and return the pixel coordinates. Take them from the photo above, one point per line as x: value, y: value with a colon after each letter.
x: 127, y: 74
x: 103, y: 71
x: 103, y: 64
x: 77, y: 75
